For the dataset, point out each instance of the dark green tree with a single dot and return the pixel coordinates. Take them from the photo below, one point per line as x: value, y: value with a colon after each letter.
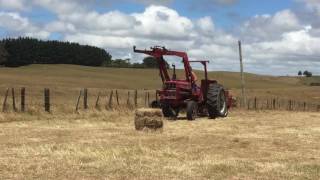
x: 151, y: 62
x: 24, y: 51
x: 120, y: 63
x: 3, y: 55
x: 300, y: 73
x: 307, y: 74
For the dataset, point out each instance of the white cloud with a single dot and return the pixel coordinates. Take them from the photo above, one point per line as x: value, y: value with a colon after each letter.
x: 14, y: 23
x: 266, y: 27
x: 162, y: 22
x: 206, y: 25
x: 13, y: 4
x: 279, y: 42
x: 313, y: 5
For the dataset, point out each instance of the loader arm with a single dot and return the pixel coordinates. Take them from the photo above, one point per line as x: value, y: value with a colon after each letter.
x: 159, y: 52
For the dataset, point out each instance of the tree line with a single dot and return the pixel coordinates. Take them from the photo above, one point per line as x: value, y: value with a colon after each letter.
x: 25, y: 51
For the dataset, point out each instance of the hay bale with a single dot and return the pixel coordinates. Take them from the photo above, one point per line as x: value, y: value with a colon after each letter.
x: 148, y: 119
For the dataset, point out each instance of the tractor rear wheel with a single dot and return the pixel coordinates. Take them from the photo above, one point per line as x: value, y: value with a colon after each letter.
x: 192, y: 110
x: 216, y: 101
x: 169, y: 112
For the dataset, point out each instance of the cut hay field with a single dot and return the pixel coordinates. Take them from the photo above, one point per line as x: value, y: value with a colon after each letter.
x: 104, y: 145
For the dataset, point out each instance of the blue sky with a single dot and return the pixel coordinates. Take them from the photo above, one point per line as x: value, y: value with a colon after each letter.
x: 279, y: 37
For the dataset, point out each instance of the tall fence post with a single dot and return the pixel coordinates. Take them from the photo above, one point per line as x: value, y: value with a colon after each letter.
x: 13, y: 100
x: 47, y: 100
x: 85, y: 98
x: 4, y: 105
x: 243, y: 91
x: 23, y: 99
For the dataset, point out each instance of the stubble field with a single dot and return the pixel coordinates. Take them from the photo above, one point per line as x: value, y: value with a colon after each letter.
x: 105, y: 145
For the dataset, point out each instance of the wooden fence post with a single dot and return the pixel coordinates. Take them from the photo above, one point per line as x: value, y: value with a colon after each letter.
x: 243, y: 91
x: 136, y: 98
x: 85, y: 98
x: 117, y: 97
x: 157, y: 95
x: 78, y: 101
x: 148, y: 101
x: 145, y: 99
x: 274, y: 104
x: 4, y: 106
x: 23, y: 99
x: 128, y: 99
x: 13, y: 100
x: 290, y: 102
x: 318, y: 108
x: 47, y: 100
x: 110, y: 100
x: 255, y: 103
x: 97, y: 101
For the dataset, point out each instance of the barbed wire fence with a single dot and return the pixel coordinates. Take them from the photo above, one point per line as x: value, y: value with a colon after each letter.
x: 56, y: 100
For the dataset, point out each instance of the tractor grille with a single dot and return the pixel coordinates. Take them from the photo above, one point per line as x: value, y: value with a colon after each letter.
x: 170, y: 86
x: 170, y: 94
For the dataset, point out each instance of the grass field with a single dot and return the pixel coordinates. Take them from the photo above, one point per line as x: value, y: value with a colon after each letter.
x: 71, y: 76
x: 65, y: 81
x: 104, y: 145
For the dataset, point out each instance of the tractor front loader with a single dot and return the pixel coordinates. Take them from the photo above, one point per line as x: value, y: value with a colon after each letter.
x: 209, y: 99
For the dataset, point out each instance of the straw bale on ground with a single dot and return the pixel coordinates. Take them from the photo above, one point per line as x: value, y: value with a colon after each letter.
x: 148, y: 119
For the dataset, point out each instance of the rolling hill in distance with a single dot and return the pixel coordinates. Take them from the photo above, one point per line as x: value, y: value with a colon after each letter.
x: 123, y: 78
x: 74, y: 76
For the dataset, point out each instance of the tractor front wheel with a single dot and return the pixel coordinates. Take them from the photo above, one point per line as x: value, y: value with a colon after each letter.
x: 216, y: 101
x: 192, y: 110
x: 169, y: 112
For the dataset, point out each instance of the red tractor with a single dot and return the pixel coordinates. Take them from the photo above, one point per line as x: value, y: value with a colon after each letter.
x: 209, y: 99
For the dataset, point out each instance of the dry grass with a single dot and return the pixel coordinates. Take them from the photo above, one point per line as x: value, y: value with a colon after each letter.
x: 71, y: 76
x: 65, y: 82
x: 105, y: 145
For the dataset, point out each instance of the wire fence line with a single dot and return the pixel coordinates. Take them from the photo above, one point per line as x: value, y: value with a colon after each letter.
x: 279, y: 104
x: 74, y: 100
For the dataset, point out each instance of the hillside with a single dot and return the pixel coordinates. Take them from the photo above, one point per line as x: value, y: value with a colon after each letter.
x: 99, y: 77
x: 66, y: 80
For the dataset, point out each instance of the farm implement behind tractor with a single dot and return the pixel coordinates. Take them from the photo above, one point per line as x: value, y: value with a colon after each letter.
x: 209, y: 99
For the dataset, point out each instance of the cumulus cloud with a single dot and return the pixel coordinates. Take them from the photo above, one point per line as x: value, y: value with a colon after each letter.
x: 16, y: 24
x: 281, y: 42
x: 270, y: 27
x: 162, y: 23
x: 13, y: 4
x: 313, y: 5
